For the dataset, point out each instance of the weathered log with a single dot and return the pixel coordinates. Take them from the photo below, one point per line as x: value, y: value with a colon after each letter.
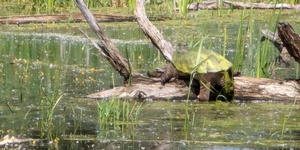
x: 290, y: 39
x: 69, y: 18
x: 213, y: 5
x: 262, y: 89
x: 246, y: 89
x: 284, y: 56
x: 142, y: 91
x: 241, y: 5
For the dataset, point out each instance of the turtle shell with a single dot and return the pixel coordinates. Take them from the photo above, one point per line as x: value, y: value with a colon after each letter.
x: 204, y: 61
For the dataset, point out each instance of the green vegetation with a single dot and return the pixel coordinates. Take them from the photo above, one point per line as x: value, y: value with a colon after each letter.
x: 66, y: 6
x: 117, y: 113
x: 50, y: 129
x: 42, y: 82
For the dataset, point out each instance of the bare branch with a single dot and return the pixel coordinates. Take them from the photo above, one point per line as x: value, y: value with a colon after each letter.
x: 108, y: 49
x: 152, y: 32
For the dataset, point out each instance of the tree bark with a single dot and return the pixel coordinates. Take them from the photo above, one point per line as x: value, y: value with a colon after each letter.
x: 106, y: 47
x: 284, y: 56
x: 290, y: 39
x: 262, y: 89
x: 152, y: 32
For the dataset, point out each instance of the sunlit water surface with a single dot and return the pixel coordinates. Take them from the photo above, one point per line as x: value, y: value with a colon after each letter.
x: 45, y: 75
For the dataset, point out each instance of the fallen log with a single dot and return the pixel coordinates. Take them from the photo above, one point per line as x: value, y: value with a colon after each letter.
x: 262, y: 89
x: 143, y: 88
x: 213, y: 5
x: 69, y: 18
x: 246, y: 89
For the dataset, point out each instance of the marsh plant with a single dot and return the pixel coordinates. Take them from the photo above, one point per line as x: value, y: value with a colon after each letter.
x: 192, y: 75
x: 253, y: 57
x: 54, y: 6
x: 118, y: 113
x: 49, y: 127
x: 285, y: 122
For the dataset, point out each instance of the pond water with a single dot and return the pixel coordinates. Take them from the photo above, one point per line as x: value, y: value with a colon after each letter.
x: 46, y: 72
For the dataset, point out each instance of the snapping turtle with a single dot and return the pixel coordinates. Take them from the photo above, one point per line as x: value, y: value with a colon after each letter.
x: 210, y: 69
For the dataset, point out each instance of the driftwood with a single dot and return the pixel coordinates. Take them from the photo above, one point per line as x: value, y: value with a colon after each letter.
x: 106, y: 47
x: 11, y: 140
x: 212, y: 5
x: 70, y: 18
x: 246, y: 89
x: 290, y: 39
x: 284, y: 56
x: 152, y: 32
x: 262, y: 89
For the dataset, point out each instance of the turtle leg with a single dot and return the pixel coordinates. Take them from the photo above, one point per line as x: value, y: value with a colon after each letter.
x: 204, y: 92
x: 169, y: 73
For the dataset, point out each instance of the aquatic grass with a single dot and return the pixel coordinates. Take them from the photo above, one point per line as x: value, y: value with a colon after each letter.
x: 285, y: 119
x: 50, y: 99
x: 113, y: 80
x: 266, y: 56
x: 250, y: 44
x: 265, y: 60
x: 251, y: 56
x: 192, y: 75
x: 47, y: 123
x: 297, y: 70
x: 114, y: 113
x: 9, y: 107
x: 171, y: 120
x: 219, y: 7
x: 131, y: 4
x: 182, y: 6
x: 239, y: 52
x: 224, y: 41
x: 204, y: 123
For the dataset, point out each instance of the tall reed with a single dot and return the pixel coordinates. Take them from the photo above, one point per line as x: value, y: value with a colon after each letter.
x: 192, y: 75
x: 182, y: 6
x: 113, y: 113
x: 48, y: 127
x: 240, y: 45
x: 266, y: 56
